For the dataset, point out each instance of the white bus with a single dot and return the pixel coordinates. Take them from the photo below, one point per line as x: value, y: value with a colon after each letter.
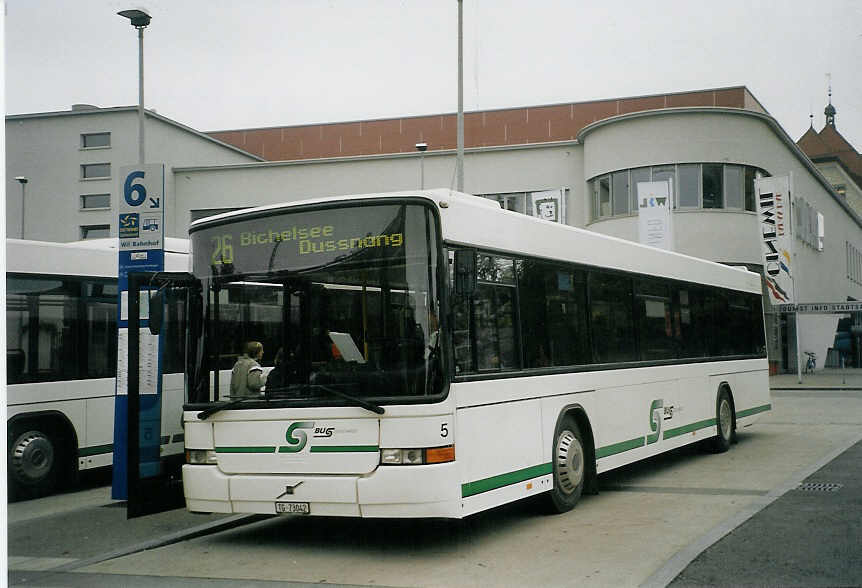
x: 442, y: 356
x: 61, y: 358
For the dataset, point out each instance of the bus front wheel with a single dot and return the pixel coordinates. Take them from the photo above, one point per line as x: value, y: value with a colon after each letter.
x: 32, y: 464
x: 568, y: 460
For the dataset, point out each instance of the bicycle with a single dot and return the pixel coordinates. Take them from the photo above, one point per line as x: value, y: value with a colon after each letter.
x: 810, y: 363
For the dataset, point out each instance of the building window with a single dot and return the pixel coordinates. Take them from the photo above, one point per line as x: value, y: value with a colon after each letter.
x: 712, y: 186
x: 95, y: 140
x: 97, y: 201
x: 694, y: 185
x: 689, y: 186
x: 90, y: 171
x: 95, y: 231
x: 748, y: 187
x: 733, y: 188
x: 549, y: 207
x: 516, y: 201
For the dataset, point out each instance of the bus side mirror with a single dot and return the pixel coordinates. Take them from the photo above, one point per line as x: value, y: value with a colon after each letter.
x: 465, y: 272
x: 157, y: 312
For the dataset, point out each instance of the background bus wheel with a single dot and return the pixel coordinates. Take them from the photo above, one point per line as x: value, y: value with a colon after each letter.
x: 569, y: 467
x: 32, y: 464
x: 724, y: 423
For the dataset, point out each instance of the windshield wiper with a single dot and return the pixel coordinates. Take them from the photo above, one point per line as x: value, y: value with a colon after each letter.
x: 363, y: 403
x: 204, y: 414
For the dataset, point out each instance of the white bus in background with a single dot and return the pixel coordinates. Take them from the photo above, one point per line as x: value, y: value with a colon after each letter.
x: 61, y: 359
x: 442, y: 356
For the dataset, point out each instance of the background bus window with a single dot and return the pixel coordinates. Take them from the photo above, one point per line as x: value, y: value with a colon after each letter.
x: 611, y: 318
x: 45, y: 336
x: 553, y: 314
x: 100, y: 310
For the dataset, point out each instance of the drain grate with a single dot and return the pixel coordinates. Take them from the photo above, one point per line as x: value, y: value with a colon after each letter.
x: 820, y: 487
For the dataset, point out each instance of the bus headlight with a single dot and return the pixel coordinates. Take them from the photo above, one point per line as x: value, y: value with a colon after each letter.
x: 201, y: 457
x: 417, y: 456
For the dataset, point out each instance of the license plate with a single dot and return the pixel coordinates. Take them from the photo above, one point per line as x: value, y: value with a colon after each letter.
x: 292, y: 508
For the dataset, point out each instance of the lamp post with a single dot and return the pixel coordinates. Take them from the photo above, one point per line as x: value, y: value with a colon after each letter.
x: 459, y: 157
x: 23, y: 181
x: 421, y: 148
x: 139, y: 19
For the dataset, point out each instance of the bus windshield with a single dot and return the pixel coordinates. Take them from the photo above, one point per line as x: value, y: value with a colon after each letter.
x: 344, y: 301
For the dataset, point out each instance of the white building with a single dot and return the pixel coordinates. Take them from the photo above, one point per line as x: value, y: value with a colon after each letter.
x: 70, y: 161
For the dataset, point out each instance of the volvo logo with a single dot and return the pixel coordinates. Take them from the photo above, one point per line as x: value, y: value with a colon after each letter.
x: 289, y: 490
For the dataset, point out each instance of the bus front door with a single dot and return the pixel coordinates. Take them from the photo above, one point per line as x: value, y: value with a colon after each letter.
x: 157, y: 351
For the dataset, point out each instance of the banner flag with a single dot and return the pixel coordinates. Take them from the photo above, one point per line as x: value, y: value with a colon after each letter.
x: 654, y: 209
x: 774, y: 233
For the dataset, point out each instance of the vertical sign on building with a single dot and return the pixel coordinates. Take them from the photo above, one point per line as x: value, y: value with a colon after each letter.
x: 549, y: 205
x: 140, y: 227
x: 773, y: 216
x: 654, y: 214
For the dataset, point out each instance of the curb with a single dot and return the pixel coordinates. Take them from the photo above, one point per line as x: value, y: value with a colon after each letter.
x: 191, y: 533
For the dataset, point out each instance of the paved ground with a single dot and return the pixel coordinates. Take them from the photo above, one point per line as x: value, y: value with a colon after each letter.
x: 811, y: 536
x: 832, y: 379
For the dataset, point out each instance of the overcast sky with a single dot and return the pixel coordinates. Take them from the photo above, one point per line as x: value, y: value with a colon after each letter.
x: 224, y: 64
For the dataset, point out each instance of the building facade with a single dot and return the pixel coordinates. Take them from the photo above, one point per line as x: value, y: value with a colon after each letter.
x: 62, y: 168
x: 711, y: 144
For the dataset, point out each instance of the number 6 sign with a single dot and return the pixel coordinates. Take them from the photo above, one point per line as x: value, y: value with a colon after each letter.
x: 142, y: 207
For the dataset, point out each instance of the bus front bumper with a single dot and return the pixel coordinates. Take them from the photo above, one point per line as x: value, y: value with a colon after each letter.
x: 389, y: 491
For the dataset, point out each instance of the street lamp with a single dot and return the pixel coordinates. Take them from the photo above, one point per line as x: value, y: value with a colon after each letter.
x: 139, y: 19
x: 23, y: 181
x: 421, y: 148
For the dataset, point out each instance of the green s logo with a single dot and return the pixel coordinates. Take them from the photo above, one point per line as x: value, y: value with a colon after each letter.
x: 296, y: 444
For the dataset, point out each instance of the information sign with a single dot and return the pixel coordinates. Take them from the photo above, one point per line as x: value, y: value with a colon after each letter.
x: 140, y: 228
x: 821, y: 307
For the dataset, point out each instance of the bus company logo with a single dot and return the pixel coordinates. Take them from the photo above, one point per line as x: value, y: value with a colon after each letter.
x: 656, y: 414
x: 130, y: 224
x: 297, y: 443
x: 297, y: 438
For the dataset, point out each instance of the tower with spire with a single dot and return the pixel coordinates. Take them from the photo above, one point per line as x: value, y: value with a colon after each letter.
x: 838, y: 161
x: 829, y: 111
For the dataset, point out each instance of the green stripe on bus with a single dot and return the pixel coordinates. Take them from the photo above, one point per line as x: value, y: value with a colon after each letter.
x: 609, y: 450
x: 344, y: 449
x: 755, y: 410
x: 671, y: 433
x: 95, y: 450
x: 494, y: 482
x: 249, y: 449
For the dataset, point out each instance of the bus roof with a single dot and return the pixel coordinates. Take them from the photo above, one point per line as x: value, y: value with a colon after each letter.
x: 92, y: 257
x: 479, y: 222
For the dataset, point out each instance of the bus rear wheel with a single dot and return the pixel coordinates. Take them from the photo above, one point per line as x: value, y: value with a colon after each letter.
x: 725, y: 423
x: 568, y: 460
x: 33, y: 463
